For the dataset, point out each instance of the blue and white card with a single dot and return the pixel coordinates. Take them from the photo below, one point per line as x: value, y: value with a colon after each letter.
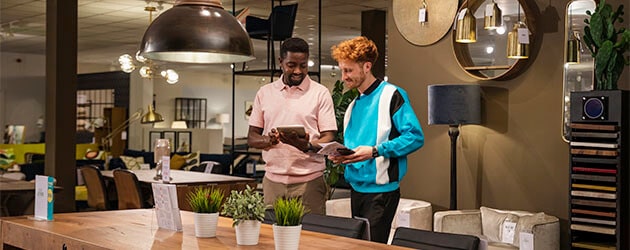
x: 44, y: 201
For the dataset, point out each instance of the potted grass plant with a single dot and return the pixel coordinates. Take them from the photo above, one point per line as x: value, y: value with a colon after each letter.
x: 205, y: 203
x: 247, y: 209
x: 286, y: 231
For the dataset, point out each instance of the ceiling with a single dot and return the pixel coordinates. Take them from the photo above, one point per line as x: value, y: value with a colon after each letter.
x: 109, y: 28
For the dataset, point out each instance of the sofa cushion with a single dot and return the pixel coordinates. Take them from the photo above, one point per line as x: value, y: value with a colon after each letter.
x: 493, y: 223
x: 132, y: 163
x: 148, y: 156
x: 185, y: 162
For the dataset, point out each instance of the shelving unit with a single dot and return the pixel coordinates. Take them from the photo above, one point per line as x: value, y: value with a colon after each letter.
x: 192, y: 111
x: 599, y: 170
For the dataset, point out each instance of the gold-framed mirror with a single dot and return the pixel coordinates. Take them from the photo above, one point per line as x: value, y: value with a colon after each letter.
x: 487, y: 58
x: 578, y: 61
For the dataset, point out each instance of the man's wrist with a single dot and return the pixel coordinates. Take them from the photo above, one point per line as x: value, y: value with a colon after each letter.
x: 374, y: 152
x: 309, y: 147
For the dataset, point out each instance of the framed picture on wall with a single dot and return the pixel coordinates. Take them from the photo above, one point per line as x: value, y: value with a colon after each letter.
x: 153, y: 136
x: 170, y: 135
x: 248, y: 109
x: 184, y: 140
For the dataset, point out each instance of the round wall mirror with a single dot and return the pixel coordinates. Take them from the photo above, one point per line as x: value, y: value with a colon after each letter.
x: 578, y: 62
x: 487, y: 58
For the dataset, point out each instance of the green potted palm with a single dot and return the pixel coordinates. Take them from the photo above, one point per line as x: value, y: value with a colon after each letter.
x: 205, y: 204
x: 607, y: 44
x: 288, y: 225
x: 247, y: 209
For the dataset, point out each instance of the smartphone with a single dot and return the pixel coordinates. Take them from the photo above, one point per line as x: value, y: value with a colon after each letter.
x: 298, y: 129
x: 345, y: 151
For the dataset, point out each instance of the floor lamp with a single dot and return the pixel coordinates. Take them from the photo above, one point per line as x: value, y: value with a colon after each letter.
x: 454, y: 105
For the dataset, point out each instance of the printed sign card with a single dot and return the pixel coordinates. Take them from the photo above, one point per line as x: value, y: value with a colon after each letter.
x: 167, y: 209
x: 44, y: 186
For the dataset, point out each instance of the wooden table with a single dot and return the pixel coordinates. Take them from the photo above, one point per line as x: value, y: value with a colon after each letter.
x: 22, y: 191
x: 188, y: 180
x: 137, y: 229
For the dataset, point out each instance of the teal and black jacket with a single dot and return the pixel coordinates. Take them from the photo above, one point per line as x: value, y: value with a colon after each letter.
x: 382, y: 116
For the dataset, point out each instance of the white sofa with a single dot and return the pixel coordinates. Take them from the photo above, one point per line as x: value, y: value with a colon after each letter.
x: 502, y: 229
x: 410, y: 213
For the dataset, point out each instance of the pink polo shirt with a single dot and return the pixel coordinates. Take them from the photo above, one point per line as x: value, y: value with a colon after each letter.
x: 308, y: 104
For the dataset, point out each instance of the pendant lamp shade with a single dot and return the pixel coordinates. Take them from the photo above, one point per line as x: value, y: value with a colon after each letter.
x: 492, y: 17
x: 197, y: 31
x: 151, y: 116
x: 573, y: 51
x: 515, y: 49
x: 466, y: 28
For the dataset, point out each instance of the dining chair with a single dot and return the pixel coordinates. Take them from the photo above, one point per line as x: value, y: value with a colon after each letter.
x: 97, y: 193
x: 347, y: 227
x: 128, y: 190
x: 429, y: 240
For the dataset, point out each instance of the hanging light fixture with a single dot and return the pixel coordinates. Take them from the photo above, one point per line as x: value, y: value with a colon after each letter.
x: 148, y: 68
x: 573, y: 48
x: 517, y: 49
x: 573, y: 43
x: 466, y: 28
x: 492, y: 17
x: 197, y: 31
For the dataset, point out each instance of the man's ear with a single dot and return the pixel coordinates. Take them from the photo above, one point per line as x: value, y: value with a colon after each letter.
x: 367, y: 66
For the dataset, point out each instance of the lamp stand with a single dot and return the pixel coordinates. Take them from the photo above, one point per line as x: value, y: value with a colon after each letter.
x: 453, y: 133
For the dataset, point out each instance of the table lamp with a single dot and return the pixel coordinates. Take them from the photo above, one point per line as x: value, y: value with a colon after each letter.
x: 222, y: 119
x: 454, y: 105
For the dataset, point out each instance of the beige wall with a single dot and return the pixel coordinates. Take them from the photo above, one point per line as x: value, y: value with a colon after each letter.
x: 516, y: 159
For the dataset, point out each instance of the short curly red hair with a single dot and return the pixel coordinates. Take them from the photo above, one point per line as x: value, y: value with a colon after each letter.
x: 359, y: 49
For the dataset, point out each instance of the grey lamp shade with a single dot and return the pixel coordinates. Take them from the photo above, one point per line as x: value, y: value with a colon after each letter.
x: 198, y: 31
x: 454, y: 104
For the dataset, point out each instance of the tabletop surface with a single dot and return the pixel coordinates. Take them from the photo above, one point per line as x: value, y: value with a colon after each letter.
x: 138, y: 230
x: 183, y: 177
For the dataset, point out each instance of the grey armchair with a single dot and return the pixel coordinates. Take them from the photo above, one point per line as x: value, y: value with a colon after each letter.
x: 502, y: 229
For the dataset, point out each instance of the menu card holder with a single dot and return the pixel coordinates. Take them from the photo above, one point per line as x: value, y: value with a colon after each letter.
x: 166, y: 207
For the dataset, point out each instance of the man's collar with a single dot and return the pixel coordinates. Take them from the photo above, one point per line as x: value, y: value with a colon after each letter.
x: 372, y: 87
x: 280, y: 85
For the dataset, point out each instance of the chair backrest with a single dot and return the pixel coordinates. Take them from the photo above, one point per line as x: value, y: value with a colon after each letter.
x: 429, y: 240
x: 347, y: 227
x: 97, y: 194
x: 282, y: 18
x: 128, y: 189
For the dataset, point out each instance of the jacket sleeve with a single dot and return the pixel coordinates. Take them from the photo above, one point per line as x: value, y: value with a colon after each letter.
x: 404, y: 120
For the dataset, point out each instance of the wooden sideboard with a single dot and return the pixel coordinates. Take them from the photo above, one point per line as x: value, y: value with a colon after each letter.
x: 137, y: 229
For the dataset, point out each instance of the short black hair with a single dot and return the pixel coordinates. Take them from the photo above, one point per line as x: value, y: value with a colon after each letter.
x: 293, y: 44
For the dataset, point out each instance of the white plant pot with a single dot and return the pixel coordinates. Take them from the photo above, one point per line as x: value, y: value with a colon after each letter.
x: 247, y: 232
x: 206, y: 224
x: 287, y: 237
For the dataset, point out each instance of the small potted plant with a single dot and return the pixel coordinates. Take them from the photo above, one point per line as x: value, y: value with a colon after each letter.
x: 288, y: 226
x: 205, y: 203
x: 247, y: 210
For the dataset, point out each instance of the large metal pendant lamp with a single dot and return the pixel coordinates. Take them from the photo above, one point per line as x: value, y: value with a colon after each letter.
x: 466, y: 27
x: 492, y: 18
x: 197, y: 31
x: 515, y: 48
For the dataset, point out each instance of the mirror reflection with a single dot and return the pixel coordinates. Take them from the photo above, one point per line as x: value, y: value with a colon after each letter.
x: 578, y: 62
x: 487, y: 58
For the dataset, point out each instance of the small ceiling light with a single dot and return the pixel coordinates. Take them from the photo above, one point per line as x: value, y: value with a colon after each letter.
x: 146, y: 72
x: 500, y: 30
x: 466, y: 28
x: 489, y: 50
x: 197, y: 31
x: 311, y: 63
x: 171, y: 76
x: 492, y: 18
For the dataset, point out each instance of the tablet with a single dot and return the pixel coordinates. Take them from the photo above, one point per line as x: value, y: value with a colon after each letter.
x: 298, y: 129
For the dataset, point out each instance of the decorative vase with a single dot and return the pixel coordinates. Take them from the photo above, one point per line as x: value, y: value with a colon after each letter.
x: 286, y: 237
x: 247, y: 232
x: 206, y: 224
